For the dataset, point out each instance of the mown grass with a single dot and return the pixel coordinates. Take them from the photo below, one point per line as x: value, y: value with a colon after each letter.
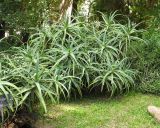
x: 129, y: 111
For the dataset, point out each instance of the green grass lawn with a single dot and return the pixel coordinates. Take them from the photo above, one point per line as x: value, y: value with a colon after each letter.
x: 129, y: 111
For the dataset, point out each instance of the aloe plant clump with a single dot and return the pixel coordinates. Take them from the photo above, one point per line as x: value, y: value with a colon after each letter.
x: 65, y: 58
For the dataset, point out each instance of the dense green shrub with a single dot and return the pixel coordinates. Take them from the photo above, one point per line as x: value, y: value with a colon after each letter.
x: 64, y: 58
x: 152, y: 87
x: 146, y: 59
x: 151, y: 49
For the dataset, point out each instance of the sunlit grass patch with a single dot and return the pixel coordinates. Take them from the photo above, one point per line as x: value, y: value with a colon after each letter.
x: 129, y: 111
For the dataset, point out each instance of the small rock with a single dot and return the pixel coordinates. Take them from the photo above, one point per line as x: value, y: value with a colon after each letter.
x: 155, y: 112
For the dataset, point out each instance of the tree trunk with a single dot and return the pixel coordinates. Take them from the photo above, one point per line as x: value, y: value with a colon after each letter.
x: 68, y: 8
x: 65, y: 9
